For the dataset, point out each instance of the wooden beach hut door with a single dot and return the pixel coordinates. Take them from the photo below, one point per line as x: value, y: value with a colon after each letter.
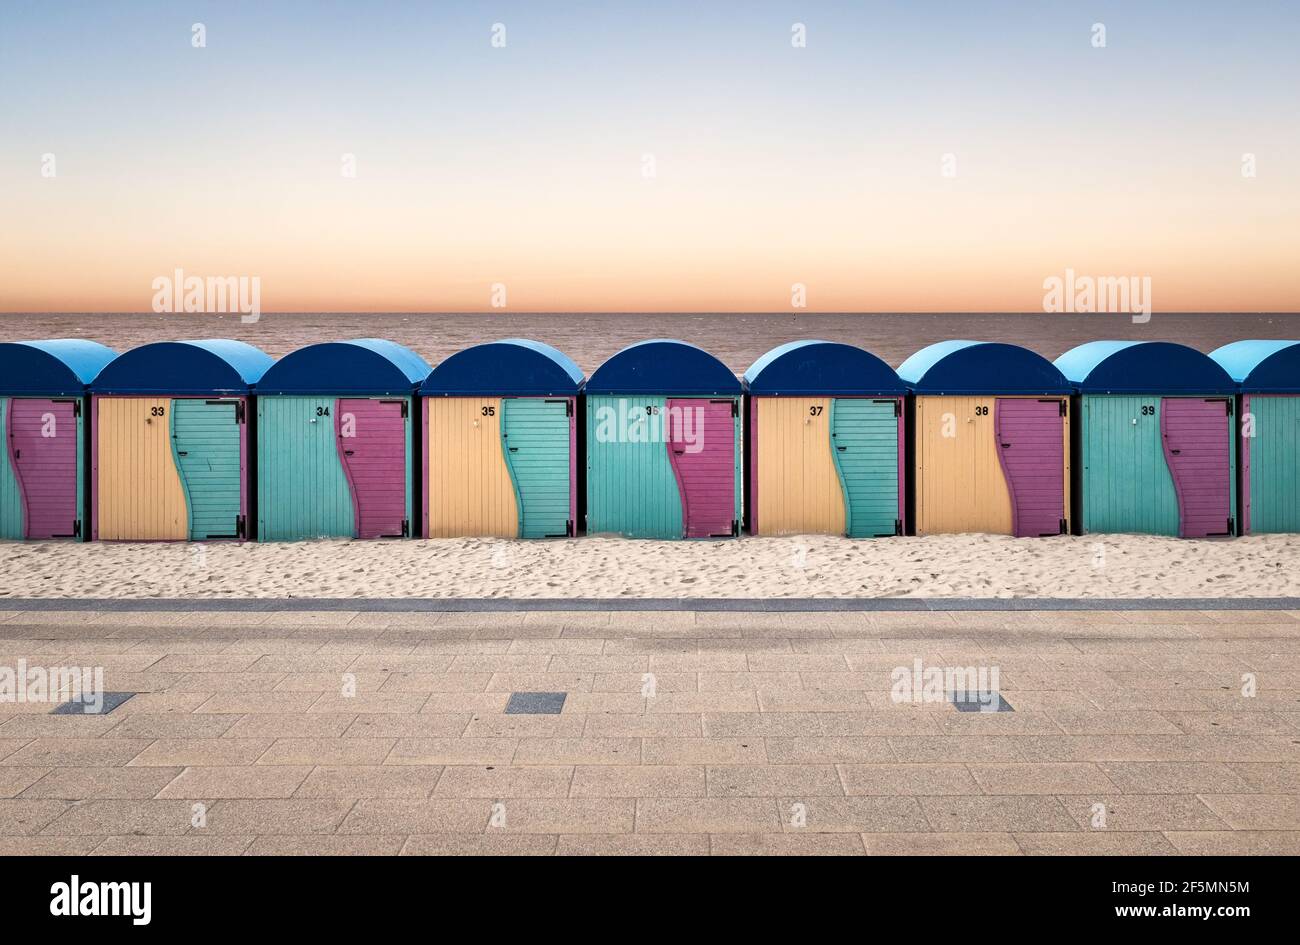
x: 1198, y: 448
x: 535, y: 437
x: 206, y: 438
x: 864, y: 445
x: 372, y: 447
x: 42, y: 443
x: 702, y: 449
x: 1031, y: 447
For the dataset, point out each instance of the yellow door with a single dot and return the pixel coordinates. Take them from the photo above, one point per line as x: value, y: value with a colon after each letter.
x: 469, y: 490
x: 799, y: 489
x: 960, y: 486
x: 139, y: 490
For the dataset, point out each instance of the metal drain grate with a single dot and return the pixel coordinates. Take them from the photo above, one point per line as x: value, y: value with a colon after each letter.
x: 109, y: 702
x: 535, y: 703
x: 981, y: 702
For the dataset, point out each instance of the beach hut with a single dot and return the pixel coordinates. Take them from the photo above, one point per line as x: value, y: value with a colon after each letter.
x: 1268, y: 376
x: 992, y: 435
x: 334, y: 441
x: 500, y: 442
x: 43, y: 413
x: 169, y: 441
x: 664, y: 444
x: 1155, y: 440
x: 825, y: 442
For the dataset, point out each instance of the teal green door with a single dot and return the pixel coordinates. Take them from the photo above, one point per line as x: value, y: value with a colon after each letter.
x: 864, y: 444
x: 1274, y: 494
x: 11, y: 497
x: 302, y: 491
x: 631, y: 487
x: 1126, y: 482
x: 535, y: 438
x: 206, y: 442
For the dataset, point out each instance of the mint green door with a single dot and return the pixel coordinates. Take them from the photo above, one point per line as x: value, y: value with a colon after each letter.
x: 206, y: 444
x: 535, y: 438
x: 1126, y: 482
x: 631, y: 487
x: 864, y: 445
x: 302, y: 491
x: 11, y: 497
x: 1274, y: 496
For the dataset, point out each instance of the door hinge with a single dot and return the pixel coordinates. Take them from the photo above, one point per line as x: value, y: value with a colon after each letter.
x: 241, y: 527
x: 1232, y: 526
x: 76, y: 529
x: 1064, y: 527
x: 76, y: 408
x: 898, y: 410
x: 568, y: 528
x: 735, y: 528
x: 239, y: 411
x: 898, y: 526
x: 406, y: 412
x: 568, y: 412
x: 406, y: 528
x: 1063, y: 410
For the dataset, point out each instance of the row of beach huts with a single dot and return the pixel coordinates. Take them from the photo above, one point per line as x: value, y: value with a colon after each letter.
x: 208, y: 440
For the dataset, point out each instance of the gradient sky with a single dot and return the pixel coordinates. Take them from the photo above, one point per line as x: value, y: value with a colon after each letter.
x: 775, y: 165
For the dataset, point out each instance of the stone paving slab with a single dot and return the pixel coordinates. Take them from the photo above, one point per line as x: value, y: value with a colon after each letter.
x: 317, y: 729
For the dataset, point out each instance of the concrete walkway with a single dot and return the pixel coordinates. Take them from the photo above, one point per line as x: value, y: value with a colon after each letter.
x: 337, y: 731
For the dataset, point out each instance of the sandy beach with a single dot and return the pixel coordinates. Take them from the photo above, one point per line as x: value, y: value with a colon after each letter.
x: 1110, y: 566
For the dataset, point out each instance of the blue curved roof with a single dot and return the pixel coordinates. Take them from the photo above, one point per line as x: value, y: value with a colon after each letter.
x: 511, y: 366
x: 362, y: 366
x: 1262, y: 367
x: 813, y: 368
x: 1142, y: 367
x: 666, y: 367
x: 980, y: 367
x: 60, y: 367
x: 212, y: 366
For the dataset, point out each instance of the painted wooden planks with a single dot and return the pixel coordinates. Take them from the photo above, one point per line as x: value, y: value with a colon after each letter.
x: 468, y: 488
x: 302, y: 491
x: 1271, y: 464
x: 206, y: 438
x: 1197, y: 433
x: 865, y: 449
x: 1031, y: 445
x: 372, y: 446
x: 138, y: 493
x: 631, y: 487
x: 702, y: 450
x: 537, y: 442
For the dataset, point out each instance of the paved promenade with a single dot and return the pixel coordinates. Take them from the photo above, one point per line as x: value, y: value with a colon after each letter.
x: 316, y: 732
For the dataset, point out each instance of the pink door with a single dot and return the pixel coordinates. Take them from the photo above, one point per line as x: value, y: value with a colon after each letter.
x: 372, y: 446
x: 702, y: 449
x: 1197, y: 440
x: 43, y: 450
x: 1031, y: 448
